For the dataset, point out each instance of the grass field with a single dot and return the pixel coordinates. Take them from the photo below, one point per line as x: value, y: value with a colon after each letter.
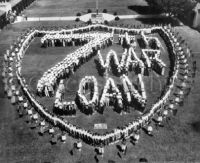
x: 38, y: 60
x: 72, y: 7
x: 178, y: 141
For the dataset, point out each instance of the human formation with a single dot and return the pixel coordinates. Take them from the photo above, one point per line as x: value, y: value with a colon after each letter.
x: 17, y: 90
x: 16, y: 10
x: 111, y: 95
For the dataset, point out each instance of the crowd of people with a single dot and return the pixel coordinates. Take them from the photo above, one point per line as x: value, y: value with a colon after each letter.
x: 150, y: 40
x: 76, y: 39
x: 107, y: 99
x: 88, y: 83
x: 153, y: 61
x: 132, y: 93
x: 46, y: 84
x: 9, y: 17
x: 161, y: 109
x: 111, y: 95
x: 63, y: 107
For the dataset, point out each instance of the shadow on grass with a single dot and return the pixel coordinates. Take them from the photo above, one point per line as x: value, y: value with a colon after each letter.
x: 145, y: 10
x: 157, y: 21
x: 196, y: 126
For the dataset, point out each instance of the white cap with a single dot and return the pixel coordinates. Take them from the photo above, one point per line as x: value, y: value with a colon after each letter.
x: 17, y: 92
x: 165, y: 112
x: 171, y: 106
x: 51, y: 130
x: 149, y: 129
x: 159, y: 119
x: 30, y: 112
x: 25, y: 105
x: 42, y: 123
x: 35, y: 116
x: 136, y: 137
x: 63, y: 137
x: 20, y: 98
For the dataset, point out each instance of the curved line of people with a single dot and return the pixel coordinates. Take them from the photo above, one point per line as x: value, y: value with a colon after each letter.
x: 149, y: 40
x: 179, y: 59
x: 73, y: 39
x: 9, y: 17
x: 46, y: 85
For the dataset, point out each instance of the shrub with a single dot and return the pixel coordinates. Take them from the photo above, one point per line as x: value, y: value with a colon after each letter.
x: 115, y: 13
x: 89, y: 11
x: 89, y: 22
x: 78, y: 14
x: 106, y: 22
x: 117, y: 18
x: 104, y: 10
x: 77, y: 19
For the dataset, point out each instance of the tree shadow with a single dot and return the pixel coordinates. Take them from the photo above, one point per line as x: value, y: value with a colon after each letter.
x: 145, y: 10
x: 158, y: 21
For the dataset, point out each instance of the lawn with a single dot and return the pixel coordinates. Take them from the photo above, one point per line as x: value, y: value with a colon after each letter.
x: 178, y: 141
x: 47, y: 8
x: 38, y: 60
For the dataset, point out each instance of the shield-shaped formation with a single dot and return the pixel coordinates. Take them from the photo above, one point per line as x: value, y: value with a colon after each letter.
x: 113, y: 83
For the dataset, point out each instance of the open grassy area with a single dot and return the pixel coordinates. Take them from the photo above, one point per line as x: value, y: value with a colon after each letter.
x: 72, y: 7
x: 178, y: 141
x: 38, y: 60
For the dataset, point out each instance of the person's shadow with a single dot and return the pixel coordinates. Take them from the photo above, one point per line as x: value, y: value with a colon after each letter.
x: 96, y: 158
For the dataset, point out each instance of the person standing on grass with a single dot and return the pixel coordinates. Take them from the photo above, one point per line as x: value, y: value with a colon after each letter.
x: 124, y: 146
x: 101, y: 151
x: 79, y: 145
x: 61, y: 88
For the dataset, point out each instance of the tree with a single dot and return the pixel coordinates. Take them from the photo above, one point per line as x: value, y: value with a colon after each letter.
x: 117, y: 18
x: 77, y: 19
x: 78, y: 14
x: 89, y: 11
x: 106, y: 22
x: 89, y: 21
x: 175, y: 8
x: 104, y: 10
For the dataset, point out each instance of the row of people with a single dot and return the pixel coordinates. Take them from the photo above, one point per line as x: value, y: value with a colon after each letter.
x: 15, y: 11
x: 117, y: 134
x: 88, y: 83
x: 65, y: 108
x: 111, y: 95
x: 111, y: 91
x: 153, y: 61
x: 129, y: 61
x: 70, y: 63
x: 67, y: 39
x: 62, y: 107
x: 131, y: 93
x: 149, y: 39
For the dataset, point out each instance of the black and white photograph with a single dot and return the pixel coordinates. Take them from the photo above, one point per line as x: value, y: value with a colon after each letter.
x: 99, y: 81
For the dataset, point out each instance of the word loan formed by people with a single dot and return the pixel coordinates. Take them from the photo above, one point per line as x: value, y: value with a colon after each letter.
x: 97, y: 85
